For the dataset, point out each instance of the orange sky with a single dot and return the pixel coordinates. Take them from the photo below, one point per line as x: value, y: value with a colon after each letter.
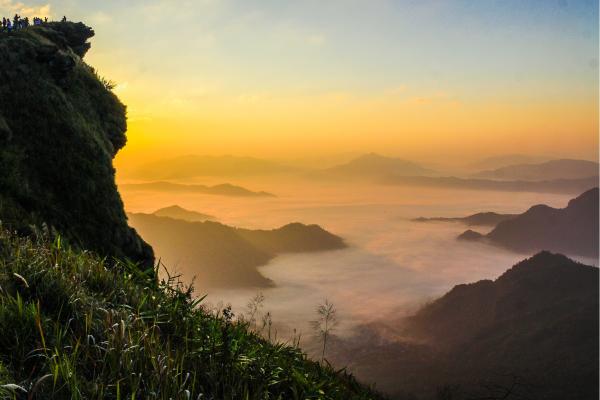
x: 427, y: 80
x: 413, y: 127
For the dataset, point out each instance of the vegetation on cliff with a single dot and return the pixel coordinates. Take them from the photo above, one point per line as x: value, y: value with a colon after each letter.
x: 60, y: 127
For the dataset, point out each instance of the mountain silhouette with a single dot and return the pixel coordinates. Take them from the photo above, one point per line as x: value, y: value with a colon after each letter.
x: 60, y: 128
x: 505, y: 160
x: 534, y: 329
x: 178, y: 212
x: 572, y: 230
x: 479, y: 219
x: 191, y: 166
x: 374, y: 166
x: 470, y: 235
x: 549, y: 170
x: 563, y: 186
x: 223, y: 256
x: 224, y: 189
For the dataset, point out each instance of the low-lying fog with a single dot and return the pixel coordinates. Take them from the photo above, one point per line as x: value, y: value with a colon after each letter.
x: 392, y: 265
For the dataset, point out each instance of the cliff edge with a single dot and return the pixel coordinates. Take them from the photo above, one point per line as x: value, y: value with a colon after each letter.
x: 60, y: 128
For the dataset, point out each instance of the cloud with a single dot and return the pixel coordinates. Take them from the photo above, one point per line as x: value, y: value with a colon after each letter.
x: 9, y: 7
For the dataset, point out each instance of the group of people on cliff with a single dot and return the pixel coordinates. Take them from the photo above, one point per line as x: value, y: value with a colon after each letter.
x: 18, y: 23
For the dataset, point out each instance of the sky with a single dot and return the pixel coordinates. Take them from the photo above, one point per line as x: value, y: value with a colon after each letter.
x: 421, y: 79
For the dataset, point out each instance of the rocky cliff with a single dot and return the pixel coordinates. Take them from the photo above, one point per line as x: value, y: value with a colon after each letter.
x: 60, y: 127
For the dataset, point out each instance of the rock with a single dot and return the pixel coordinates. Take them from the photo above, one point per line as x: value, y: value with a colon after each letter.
x: 60, y: 129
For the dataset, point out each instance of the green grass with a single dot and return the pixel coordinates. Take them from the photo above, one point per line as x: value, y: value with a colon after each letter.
x: 71, y: 328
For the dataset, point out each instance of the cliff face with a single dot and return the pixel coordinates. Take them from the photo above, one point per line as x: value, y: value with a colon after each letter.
x: 60, y: 127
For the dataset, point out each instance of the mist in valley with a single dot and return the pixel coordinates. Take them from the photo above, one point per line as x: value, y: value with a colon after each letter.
x: 289, y: 208
x: 392, y: 264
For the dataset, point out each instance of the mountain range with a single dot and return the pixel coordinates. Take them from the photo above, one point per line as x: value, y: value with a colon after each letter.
x: 374, y: 166
x: 554, y: 176
x: 549, y: 170
x: 191, y: 166
x: 504, y: 160
x: 562, y: 186
x: 178, y: 212
x: 572, y: 230
x: 224, y: 256
x: 224, y: 189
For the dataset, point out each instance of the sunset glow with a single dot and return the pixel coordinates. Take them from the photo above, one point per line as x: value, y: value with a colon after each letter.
x: 299, y: 199
x: 274, y: 79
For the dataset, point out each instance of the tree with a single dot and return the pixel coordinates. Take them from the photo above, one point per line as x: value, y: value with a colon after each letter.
x: 325, y: 323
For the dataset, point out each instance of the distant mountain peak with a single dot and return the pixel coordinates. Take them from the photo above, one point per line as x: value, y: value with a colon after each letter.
x: 178, y: 212
x: 549, y: 170
x: 171, y: 208
x: 373, y: 156
x: 375, y: 166
x: 224, y: 189
x: 191, y: 165
x: 225, y: 256
x: 470, y: 235
x: 572, y: 230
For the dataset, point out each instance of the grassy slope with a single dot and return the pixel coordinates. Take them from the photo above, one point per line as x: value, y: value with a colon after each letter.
x: 71, y: 328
